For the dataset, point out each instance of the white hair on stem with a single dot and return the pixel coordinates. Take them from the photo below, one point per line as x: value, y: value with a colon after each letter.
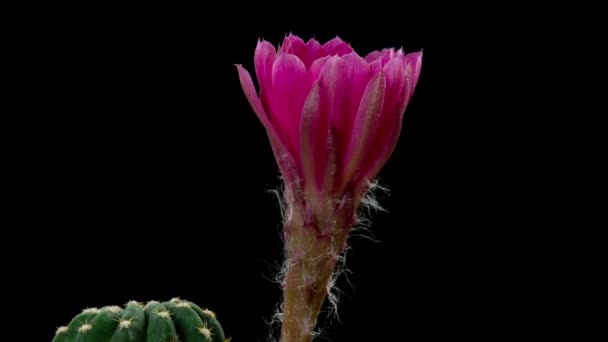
x: 369, y: 205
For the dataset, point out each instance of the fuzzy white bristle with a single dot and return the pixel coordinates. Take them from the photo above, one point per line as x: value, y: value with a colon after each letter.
x: 134, y: 302
x: 152, y: 302
x: 209, y: 312
x: 90, y: 310
x: 61, y: 330
x: 114, y: 309
x: 85, y: 327
x: 175, y: 300
x: 164, y: 314
x: 183, y: 305
x: 125, y: 323
x: 204, y: 330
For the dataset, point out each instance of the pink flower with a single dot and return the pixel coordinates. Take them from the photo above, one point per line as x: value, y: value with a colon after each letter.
x: 333, y: 118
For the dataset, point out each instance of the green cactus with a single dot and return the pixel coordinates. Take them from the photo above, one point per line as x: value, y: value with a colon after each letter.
x: 173, y: 321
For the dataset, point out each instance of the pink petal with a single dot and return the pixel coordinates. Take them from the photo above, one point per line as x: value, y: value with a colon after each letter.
x: 386, y: 145
x: 315, y: 69
x: 252, y: 96
x: 284, y: 160
x: 334, y: 79
x: 293, y: 45
x: 307, y: 53
x: 337, y: 46
x: 344, y: 80
x: 265, y: 55
x: 372, y: 56
x: 359, y: 73
x: 290, y: 86
x: 395, y: 82
x: 370, y: 170
x: 366, y: 120
x: 376, y: 65
x: 394, y: 71
x: 414, y: 61
x: 385, y: 55
x: 314, y: 52
x: 315, y: 144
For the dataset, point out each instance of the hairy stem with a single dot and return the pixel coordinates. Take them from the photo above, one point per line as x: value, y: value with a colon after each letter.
x: 312, y: 253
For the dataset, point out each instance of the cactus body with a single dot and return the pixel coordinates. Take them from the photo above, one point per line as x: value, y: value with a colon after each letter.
x: 173, y: 321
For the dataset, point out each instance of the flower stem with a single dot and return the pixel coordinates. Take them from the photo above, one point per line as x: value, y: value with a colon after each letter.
x: 311, y: 259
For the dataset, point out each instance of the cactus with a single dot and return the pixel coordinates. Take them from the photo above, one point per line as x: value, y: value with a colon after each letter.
x: 173, y: 321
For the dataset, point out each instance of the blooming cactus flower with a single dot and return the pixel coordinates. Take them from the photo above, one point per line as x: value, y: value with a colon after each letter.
x: 332, y: 116
x: 333, y: 119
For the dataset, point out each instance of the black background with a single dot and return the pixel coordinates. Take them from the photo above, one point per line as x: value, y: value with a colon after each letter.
x: 133, y: 168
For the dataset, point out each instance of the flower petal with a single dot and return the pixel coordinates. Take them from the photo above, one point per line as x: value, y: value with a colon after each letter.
x: 387, y: 55
x: 290, y: 86
x: 394, y: 71
x: 293, y: 45
x: 413, y: 64
x: 372, y: 56
x: 395, y: 84
x: 343, y: 82
x: 315, y: 69
x: 334, y: 78
x: 315, y: 141
x: 314, y: 51
x: 359, y: 73
x: 337, y: 46
x: 386, y: 145
x: 366, y: 120
x: 252, y: 96
x: 265, y: 55
x: 282, y: 156
x: 308, y: 53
